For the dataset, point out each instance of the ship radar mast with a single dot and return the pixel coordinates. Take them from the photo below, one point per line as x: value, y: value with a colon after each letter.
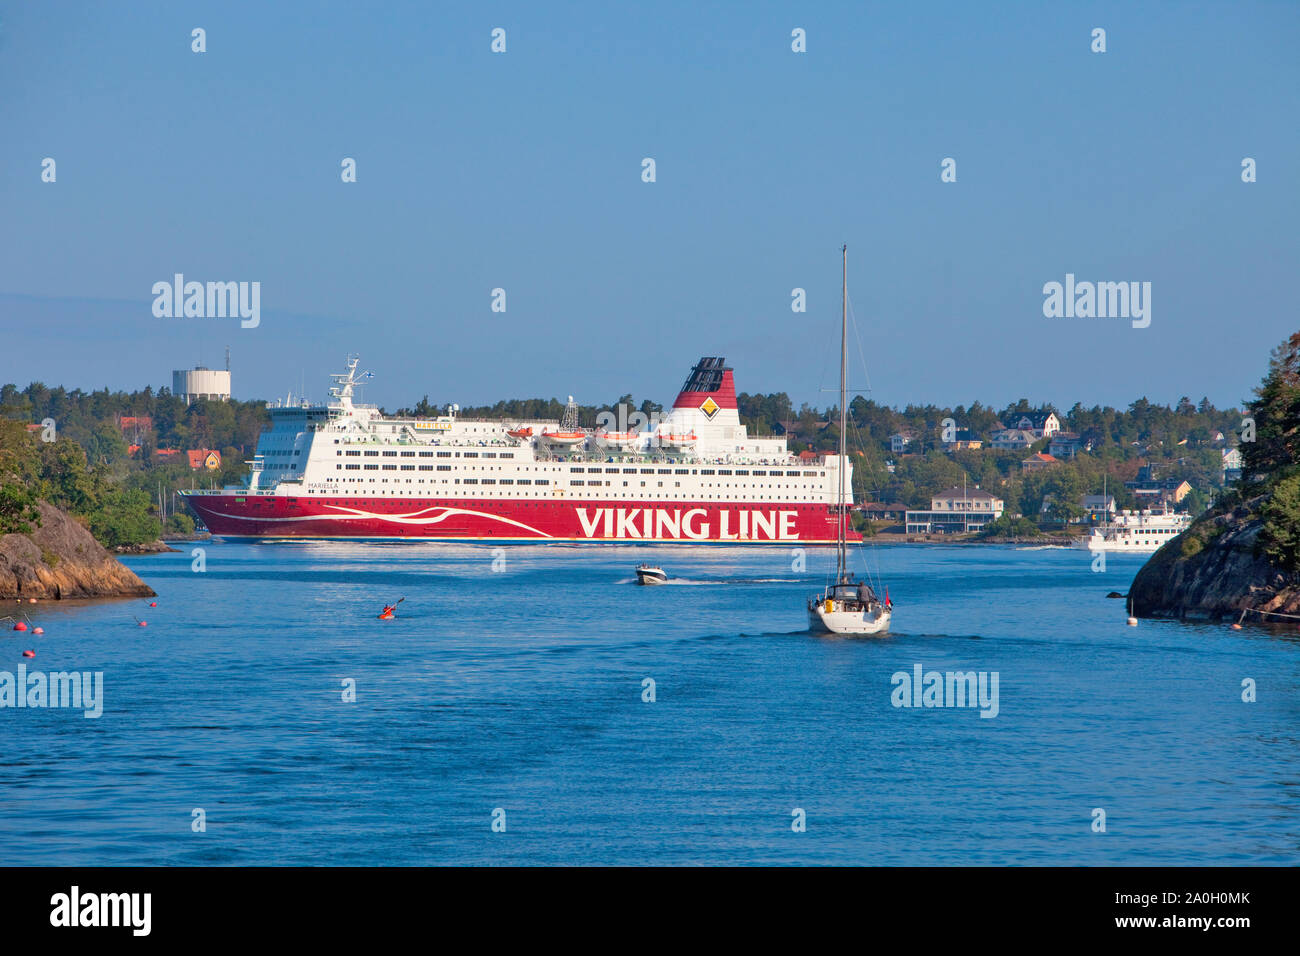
x: 569, y: 424
x: 345, y: 383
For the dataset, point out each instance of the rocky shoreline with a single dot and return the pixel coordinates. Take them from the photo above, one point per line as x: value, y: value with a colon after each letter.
x: 1213, y: 571
x: 62, y: 560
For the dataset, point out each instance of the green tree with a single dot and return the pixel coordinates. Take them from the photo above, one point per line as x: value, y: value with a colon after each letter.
x: 17, y: 508
x: 1280, y: 537
x: 123, y: 518
x: 1275, y: 450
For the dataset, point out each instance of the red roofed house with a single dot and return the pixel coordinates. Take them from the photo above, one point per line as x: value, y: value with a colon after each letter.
x: 204, y: 458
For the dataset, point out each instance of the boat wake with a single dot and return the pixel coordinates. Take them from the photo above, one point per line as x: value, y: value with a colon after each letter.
x: 715, y: 582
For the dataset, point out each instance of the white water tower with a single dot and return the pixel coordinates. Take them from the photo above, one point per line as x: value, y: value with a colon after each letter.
x: 198, y: 383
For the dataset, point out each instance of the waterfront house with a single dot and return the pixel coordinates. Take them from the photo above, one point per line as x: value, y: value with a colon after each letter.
x: 1099, y: 507
x: 956, y: 510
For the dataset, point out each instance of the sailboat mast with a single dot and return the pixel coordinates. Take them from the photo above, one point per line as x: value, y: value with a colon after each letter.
x: 840, y: 546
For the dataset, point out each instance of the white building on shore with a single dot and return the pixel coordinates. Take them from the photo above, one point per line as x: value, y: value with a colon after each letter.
x: 956, y: 510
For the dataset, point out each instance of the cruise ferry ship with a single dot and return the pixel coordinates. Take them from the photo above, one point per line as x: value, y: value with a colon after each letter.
x: 343, y: 470
x: 1137, y: 531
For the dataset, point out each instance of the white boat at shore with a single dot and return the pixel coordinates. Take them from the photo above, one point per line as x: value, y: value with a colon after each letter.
x: 1137, y: 532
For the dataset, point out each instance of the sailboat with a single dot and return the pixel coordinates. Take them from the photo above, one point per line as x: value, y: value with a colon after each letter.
x: 848, y: 606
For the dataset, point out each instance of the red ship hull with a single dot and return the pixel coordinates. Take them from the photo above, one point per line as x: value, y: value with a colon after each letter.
x: 281, y: 516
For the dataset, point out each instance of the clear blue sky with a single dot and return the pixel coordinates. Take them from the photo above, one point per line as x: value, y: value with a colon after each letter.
x: 523, y: 171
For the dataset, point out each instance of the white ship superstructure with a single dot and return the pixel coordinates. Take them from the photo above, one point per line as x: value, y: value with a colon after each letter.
x: 1137, y: 531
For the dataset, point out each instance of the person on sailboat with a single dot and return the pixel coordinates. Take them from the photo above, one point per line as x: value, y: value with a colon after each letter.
x: 865, y: 594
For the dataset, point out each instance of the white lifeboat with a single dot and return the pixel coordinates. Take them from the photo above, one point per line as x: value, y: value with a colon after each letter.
x: 685, y: 441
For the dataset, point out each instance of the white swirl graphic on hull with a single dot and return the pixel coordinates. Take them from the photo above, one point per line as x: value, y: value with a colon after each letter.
x: 412, y: 517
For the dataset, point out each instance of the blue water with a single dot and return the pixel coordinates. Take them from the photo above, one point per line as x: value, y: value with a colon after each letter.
x: 521, y: 689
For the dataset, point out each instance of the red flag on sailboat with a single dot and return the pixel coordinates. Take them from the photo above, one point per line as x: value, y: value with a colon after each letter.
x: 888, y: 603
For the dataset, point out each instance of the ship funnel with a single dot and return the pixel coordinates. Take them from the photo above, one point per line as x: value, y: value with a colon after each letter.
x: 709, y: 386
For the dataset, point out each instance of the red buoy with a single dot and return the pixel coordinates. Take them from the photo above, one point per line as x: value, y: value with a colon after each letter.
x: 38, y: 630
x: 153, y: 603
x: 144, y: 623
x: 20, y: 626
x: 29, y: 653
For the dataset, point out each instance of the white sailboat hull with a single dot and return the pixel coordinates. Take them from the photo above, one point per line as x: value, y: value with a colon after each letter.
x: 871, y: 621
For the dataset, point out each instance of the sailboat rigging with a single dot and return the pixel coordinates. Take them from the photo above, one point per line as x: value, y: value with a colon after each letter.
x: 848, y: 606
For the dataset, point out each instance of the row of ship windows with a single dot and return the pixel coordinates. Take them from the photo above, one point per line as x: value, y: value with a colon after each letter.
x: 696, y: 471
x: 473, y: 481
x: 424, y: 454
x: 397, y: 430
x: 739, y: 472
x: 525, y: 481
x: 579, y: 471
